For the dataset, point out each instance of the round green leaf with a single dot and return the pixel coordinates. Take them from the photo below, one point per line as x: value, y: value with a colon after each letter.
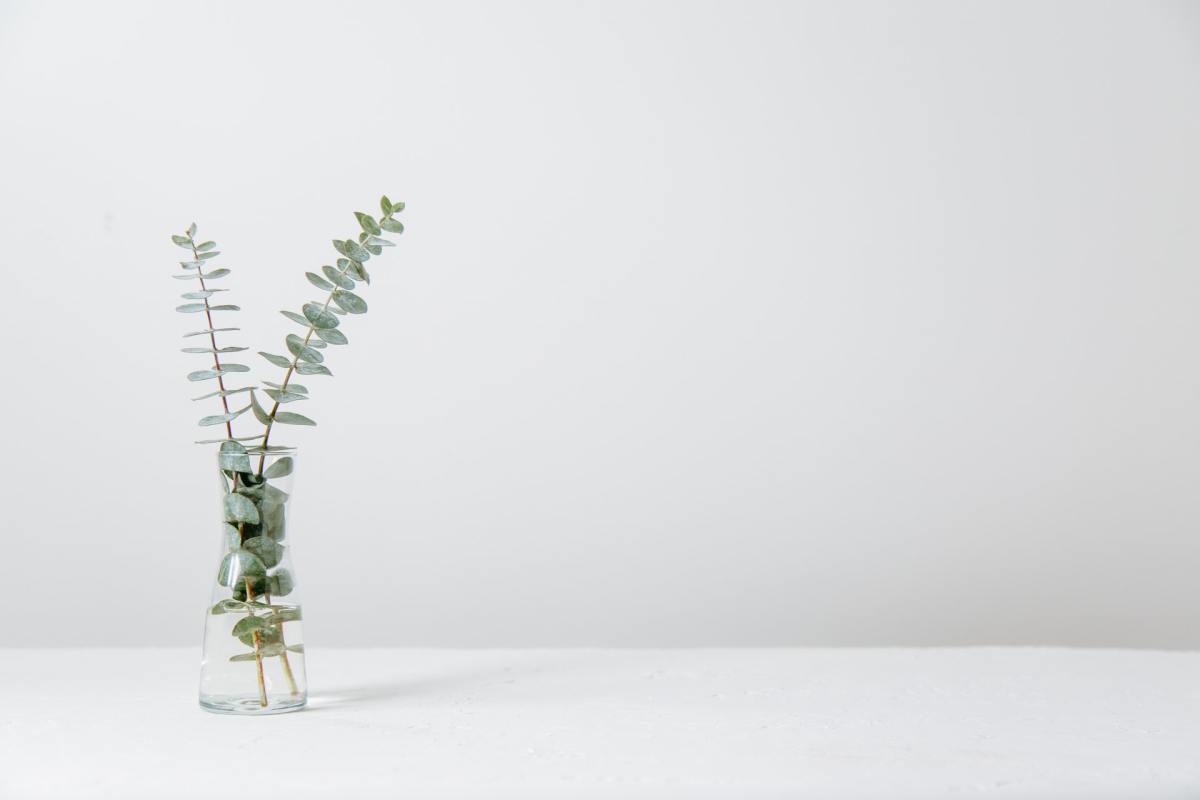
x: 237, y: 564
x: 232, y: 456
x: 319, y: 282
x: 319, y: 317
x: 282, y: 583
x: 332, y: 336
x: 239, y: 509
x: 281, y: 467
x: 266, y: 549
x: 337, y: 277
x: 350, y: 302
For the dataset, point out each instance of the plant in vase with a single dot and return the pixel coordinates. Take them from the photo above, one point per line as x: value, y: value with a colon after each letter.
x: 253, y: 659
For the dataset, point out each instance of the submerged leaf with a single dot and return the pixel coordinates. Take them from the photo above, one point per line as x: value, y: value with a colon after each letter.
x: 285, y: 615
x: 239, y: 563
x: 280, y: 468
x: 282, y: 583
x: 239, y: 509
x: 266, y: 549
x: 232, y: 456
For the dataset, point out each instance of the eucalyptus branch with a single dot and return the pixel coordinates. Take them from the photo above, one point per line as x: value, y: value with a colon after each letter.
x: 194, y: 270
x: 321, y: 319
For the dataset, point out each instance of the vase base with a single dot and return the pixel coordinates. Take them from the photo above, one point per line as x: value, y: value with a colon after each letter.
x: 251, y: 706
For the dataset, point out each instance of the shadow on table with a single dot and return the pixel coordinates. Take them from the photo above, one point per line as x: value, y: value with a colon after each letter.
x: 449, y: 681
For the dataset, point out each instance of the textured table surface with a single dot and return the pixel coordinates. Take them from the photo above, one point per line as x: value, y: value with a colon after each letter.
x: 770, y: 723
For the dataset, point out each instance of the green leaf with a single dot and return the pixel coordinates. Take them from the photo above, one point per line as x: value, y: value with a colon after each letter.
x: 245, y: 657
x: 266, y: 549
x: 284, y: 397
x: 191, y: 231
x: 211, y: 350
x: 260, y: 413
x: 208, y: 331
x: 233, y: 537
x: 232, y: 456
x: 337, y: 277
x: 202, y: 375
x: 305, y: 368
x: 296, y: 318
x: 332, y: 336
x: 285, y: 615
x: 358, y: 271
x: 217, y: 419
x: 239, y: 509
x: 182, y: 241
x: 228, y: 607
x: 350, y: 302
x: 216, y: 273
x: 368, y: 223
x: 205, y: 247
x: 231, y: 367
x: 274, y: 518
x: 226, y: 393
x: 239, y: 563
x: 385, y: 205
x: 319, y: 317
x: 377, y: 242
x: 186, y: 277
x: 248, y: 626
x: 292, y: 418
x: 392, y: 225
x: 282, y: 583
x: 278, y: 361
x: 302, y: 351
x: 317, y: 343
x: 291, y: 387
x: 397, y: 207
x: 225, y: 308
x: 206, y: 256
x: 317, y: 281
x: 191, y: 264
x: 190, y: 308
x: 280, y: 468
x: 356, y: 251
x: 199, y: 295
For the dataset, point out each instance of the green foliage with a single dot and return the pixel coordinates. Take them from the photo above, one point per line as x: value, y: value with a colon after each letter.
x: 254, y: 508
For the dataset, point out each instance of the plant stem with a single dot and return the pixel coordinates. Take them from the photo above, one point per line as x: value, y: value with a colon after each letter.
x: 262, y: 687
x: 287, y: 666
x: 287, y: 376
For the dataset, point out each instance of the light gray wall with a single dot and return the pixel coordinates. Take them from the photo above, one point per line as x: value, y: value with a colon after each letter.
x: 723, y: 323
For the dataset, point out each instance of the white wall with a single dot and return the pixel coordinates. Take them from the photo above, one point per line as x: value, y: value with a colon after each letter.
x: 720, y: 323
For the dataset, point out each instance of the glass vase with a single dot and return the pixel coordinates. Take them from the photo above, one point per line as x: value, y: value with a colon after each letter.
x: 253, y: 661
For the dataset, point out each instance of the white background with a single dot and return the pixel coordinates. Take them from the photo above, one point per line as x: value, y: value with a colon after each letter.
x: 713, y: 324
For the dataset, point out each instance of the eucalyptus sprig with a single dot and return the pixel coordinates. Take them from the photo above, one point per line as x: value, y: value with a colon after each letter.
x: 201, y: 257
x: 320, y: 318
x: 254, y: 508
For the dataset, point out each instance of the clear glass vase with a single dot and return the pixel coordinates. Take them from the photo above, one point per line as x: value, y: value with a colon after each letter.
x: 253, y: 660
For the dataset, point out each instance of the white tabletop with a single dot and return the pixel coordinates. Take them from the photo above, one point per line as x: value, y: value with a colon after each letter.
x: 767, y: 723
